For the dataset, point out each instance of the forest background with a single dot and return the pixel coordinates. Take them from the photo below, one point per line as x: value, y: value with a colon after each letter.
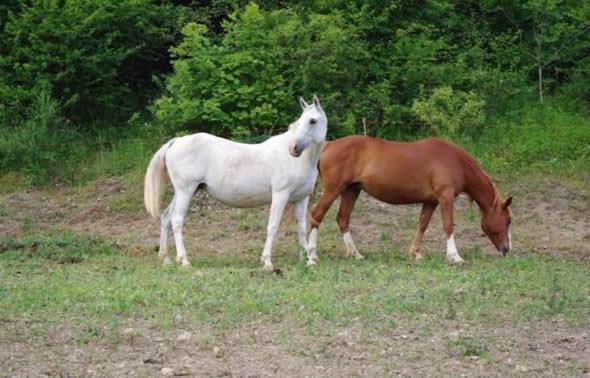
x: 91, y: 88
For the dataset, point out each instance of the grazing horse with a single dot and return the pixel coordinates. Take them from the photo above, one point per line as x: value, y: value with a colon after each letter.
x: 280, y: 170
x: 430, y: 171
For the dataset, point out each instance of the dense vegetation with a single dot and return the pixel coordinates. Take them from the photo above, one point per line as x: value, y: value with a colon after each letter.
x: 91, y: 87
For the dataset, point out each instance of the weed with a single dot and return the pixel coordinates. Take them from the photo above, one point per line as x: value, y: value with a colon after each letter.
x: 467, y: 347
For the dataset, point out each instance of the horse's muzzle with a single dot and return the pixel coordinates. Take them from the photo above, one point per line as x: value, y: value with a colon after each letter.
x: 295, y: 150
x: 505, y: 251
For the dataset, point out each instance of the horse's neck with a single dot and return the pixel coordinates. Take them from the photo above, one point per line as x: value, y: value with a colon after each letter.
x: 478, y: 185
x: 313, y: 153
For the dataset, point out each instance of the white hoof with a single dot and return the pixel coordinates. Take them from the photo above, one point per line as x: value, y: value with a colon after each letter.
x: 311, y: 262
x: 167, y: 261
x: 358, y: 256
x: 268, y: 267
x: 418, y: 256
x: 455, y: 260
x: 186, y: 264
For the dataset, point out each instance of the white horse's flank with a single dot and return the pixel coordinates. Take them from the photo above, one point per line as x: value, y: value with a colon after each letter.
x: 282, y: 169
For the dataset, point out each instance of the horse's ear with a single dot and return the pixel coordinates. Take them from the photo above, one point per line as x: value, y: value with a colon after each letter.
x: 507, y: 202
x: 316, y: 101
x: 303, y: 103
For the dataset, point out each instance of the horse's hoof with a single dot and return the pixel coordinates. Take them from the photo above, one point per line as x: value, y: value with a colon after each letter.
x: 268, y: 268
x: 186, y: 264
x: 418, y: 256
x: 359, y: 257
x: 167, y: 261
x: 456, y: 261
x: 311, y: 263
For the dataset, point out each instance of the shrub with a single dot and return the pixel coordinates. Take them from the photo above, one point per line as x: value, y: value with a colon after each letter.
x: 449, y: 112
x: 41, y: 146
x: 98, y: 56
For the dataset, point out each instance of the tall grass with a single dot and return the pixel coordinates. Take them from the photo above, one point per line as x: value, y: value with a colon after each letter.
x: 44, y: 148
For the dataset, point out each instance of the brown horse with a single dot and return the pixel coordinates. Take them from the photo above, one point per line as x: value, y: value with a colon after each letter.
x: 430, y: 171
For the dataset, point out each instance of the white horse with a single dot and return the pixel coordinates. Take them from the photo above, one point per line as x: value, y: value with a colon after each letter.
x: 282, y: 169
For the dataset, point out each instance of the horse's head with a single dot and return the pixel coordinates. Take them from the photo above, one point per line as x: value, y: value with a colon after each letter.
x: 311, y: 127
x: 495, y: 223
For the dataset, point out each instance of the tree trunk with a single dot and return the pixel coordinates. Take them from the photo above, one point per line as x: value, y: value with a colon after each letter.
x: 540, y: 70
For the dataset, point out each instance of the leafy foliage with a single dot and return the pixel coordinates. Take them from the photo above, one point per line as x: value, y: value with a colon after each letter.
x: 409, y: 69
x: 97, y: 57
x: 449, y: 111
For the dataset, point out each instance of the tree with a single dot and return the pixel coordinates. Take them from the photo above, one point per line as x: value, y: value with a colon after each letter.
x: 547, y: 30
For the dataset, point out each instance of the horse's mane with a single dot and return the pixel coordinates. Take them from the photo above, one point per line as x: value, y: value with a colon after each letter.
x: 474, y: 165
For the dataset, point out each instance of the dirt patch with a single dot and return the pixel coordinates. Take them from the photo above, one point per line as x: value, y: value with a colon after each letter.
x: 413, y: 345
x: 554, y: 219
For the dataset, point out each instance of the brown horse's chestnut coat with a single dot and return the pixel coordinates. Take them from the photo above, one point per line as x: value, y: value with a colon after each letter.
x: 430, y: 171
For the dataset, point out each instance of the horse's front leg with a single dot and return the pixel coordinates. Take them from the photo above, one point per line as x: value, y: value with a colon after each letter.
x: 300, y: 213
x: 317, y: 215
x: 279, y: 201
x: 447, y: 202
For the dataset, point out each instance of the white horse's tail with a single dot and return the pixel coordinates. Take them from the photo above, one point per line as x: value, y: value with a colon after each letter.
x: 154, y: 181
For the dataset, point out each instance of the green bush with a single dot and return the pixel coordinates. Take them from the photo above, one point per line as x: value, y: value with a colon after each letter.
x: 449, y: 112
x: 248, y: 82
x: 97, y: 56
x: 41, y: 146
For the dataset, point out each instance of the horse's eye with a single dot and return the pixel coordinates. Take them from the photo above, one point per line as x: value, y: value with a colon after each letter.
x: 508, y: 221
x: 313, y: 121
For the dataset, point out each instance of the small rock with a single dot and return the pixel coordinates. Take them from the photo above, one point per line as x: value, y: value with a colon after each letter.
x: 128, y: 331
x: 345, y: 338
x: 522, y: 368
x: 167, y: 371
x: 473, y: 358
x: 383, y: 353
x: 184, y: 336
x: 218, y: 352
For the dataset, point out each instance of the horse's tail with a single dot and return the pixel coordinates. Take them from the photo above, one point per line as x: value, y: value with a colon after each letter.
x: 154, y: 181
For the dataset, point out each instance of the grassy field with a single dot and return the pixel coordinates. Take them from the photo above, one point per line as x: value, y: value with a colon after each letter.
x: 82, y: 292
x: 71, y: 286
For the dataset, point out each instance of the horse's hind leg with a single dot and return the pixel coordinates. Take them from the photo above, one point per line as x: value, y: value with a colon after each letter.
x: 182, y: 199
x: 425, y: 216
x: 347, y: 202
x: 447, y: 201
x: 165, y: 225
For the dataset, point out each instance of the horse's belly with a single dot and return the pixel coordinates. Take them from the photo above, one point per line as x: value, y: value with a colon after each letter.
x: 398, y: 196
x: 240, y: 193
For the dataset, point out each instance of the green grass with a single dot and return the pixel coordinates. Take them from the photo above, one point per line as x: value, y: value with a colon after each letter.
x: 46, y: 279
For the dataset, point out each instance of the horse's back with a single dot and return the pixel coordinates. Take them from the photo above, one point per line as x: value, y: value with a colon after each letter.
x: 395, y: 172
